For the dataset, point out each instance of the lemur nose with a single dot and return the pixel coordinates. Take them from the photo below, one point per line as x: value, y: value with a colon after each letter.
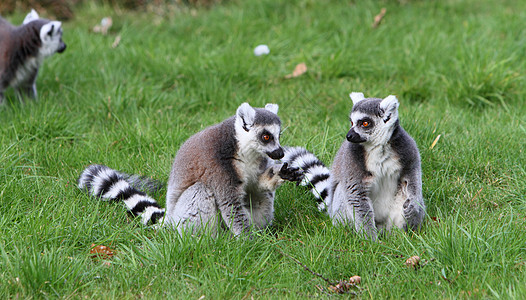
x: 276, y: 154
x: 354, y: 137
x: 349, y: 135
x: 62, y: 48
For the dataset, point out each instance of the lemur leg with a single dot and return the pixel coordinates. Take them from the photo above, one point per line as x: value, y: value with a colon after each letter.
x: 261, y: 201
x: 414, y: 208
x: 28, y: 88
x: 356, y: 208
x: 194, y: 210
x: 262, y: 204
x: 231, y: 202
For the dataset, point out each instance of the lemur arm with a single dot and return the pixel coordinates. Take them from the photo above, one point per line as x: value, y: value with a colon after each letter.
x: 276, y: 174
x: 233, y: 211
x: 414, y: 207
x: 362, y: 209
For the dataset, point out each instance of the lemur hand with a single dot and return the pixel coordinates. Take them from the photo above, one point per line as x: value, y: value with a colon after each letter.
x: 290, y: 174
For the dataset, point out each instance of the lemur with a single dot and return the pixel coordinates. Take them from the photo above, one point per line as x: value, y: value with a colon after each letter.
x: 223, y: 176
x: 23, y: 49
x: 375, y: 182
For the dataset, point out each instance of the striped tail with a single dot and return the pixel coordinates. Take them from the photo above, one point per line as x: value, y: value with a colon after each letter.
x: 108, y: 184
x: 316, y: 173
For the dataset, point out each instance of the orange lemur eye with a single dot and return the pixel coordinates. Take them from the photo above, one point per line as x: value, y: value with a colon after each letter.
x: 365, y: 124
x: 266, y: 137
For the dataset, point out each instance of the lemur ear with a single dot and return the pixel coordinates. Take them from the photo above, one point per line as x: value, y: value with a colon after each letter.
x: 356, y: 97
x: 246, y: 114
x: 272, y: 108
x: 48, y: 30
x: 31, y: 16
x: 389, y: 105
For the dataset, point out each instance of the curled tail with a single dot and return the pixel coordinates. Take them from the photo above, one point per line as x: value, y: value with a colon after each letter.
x: 315, y: 172
x: 103, y: 182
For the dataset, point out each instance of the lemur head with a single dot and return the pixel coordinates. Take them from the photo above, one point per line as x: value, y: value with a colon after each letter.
x: 50, y: 33
x: 372, y: 120
x: 258, y: 130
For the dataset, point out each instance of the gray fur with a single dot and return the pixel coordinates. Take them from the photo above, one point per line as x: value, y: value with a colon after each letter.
x: 22, y: 51
x: 375, y: 181
x: 224, y: 173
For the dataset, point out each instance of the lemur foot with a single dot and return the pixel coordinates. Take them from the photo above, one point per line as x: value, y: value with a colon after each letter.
x: 413, y: 214
x: 409, y: 208
x: 290, y: 174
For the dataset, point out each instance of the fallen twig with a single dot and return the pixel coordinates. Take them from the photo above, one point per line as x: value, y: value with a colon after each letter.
x: 306, y: 268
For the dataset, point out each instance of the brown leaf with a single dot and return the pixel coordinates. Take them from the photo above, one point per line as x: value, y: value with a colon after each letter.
x: 116, y: 42
x: 379, y: 17
x: 341, y: 288
x: 104, y: 26
x: 299, y: 70
x: 434, y: 142
x: 413, y: 262
x: 345, y: 286
x: 101, y: 251
x: 355, y: 279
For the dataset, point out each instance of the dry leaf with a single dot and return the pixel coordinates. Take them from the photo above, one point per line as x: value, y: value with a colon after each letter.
x: 101, y: 251
x: 116, y: 42
x: 299, y: 70
x: 434, y: 142
x: 104, y: 26
x: 379, y: 17
x: 344, y: 286
x: 413, y: 262
x: 355, y: 279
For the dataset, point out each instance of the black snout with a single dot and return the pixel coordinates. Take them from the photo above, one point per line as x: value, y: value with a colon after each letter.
x: 62, y: 47
x: 276, y: 154
x: 354, y: 137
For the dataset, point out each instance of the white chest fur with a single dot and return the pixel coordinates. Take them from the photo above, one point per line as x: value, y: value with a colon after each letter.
x: 384, y: 165
x: 25, y: 70
x: 249, y: 166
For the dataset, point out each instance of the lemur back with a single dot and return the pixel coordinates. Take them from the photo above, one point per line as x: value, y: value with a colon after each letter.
x: 23, y: 49
x: 375, y: 181
x: 224, y: 176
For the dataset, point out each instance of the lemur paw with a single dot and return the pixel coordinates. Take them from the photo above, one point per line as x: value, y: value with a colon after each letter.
x: 411, y: 209
x: 290, y: 174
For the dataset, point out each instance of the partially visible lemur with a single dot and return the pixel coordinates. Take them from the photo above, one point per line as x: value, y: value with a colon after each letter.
x: 23, y: 49
x: 375, y: 182
x: 225, y: 175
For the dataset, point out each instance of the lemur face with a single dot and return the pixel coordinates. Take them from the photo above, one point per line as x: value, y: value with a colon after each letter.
x: 258, y: 130
x: 268, y: 139
x: 372, y: 119
x: 362, y: 127
x: 51, y: 37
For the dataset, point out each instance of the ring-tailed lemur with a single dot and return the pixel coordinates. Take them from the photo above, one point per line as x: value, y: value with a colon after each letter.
x: 23, y: 49
x: 375, y: 181
x: 225, y: 175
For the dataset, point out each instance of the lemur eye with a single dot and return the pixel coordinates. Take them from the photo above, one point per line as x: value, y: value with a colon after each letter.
x: 352, y: 124
x: 266, y: 137
x: 365, y: 124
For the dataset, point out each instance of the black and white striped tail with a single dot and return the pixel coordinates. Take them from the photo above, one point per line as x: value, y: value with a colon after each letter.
x: 103, y: 182
x: 316, y: 173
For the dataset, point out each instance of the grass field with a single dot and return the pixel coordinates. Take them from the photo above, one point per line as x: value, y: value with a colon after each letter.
x: 457, y: 68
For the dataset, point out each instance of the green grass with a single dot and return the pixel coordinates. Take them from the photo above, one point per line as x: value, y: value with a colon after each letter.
x: 456, y: 66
